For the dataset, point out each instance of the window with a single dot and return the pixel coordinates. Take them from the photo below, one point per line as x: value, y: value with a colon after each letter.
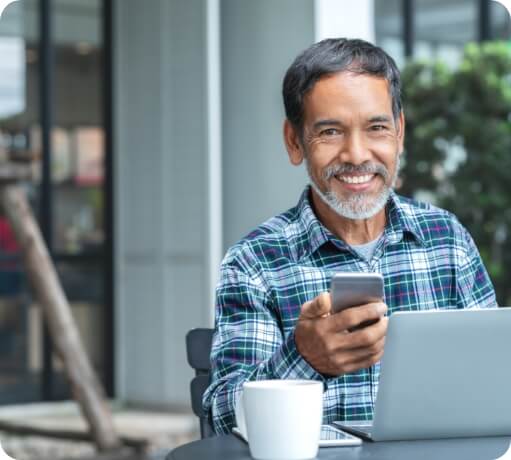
x: 443, y: 27
x: 74, y: 203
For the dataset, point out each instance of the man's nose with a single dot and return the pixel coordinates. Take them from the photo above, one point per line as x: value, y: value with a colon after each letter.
x: 355, y: 149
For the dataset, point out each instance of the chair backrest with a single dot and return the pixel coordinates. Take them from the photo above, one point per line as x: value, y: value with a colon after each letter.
x: 198, y: 348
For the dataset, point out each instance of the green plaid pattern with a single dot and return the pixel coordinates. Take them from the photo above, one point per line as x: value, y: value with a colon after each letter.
x: 428, y: 261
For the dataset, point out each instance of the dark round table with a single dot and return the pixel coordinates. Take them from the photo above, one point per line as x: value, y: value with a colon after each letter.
x: 230, y: 447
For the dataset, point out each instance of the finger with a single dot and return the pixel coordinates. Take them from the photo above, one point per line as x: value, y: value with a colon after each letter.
x: 353, y: 316
x: 364, y: 363
x: 366, y: 337
x: 340, y: 346
x: 350, y: 361
x: 342, y: 357
x: 326, y: 303
x: 362, y: 338
x: 358, y: 355
x: 316, y: 308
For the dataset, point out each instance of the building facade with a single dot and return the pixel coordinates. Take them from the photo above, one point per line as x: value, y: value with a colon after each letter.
x: 155, y: 132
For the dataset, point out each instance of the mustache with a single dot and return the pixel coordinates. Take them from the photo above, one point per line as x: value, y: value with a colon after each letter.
x: 350, y: 168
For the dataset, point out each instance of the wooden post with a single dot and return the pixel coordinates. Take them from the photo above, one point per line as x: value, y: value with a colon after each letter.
x: 86, y: 388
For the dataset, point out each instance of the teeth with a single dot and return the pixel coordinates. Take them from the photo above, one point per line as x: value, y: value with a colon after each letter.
x: 356, y: 179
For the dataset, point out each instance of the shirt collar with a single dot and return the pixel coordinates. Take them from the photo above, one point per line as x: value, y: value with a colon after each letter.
x: 400, y: 221
x: 317, y: 233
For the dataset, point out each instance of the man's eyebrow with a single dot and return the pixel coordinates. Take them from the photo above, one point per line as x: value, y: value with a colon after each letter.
x: 328, y: 122
x: 380, y: 119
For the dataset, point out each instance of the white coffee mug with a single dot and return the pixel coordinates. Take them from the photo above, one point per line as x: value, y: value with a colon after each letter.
x: 281, y: 418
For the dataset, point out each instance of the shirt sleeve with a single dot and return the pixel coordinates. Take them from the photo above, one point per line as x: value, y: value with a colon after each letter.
x: 474, y: 287
x: 248, y: 344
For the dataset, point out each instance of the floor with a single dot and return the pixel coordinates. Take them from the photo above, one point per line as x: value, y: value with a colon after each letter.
x: 162, y: 430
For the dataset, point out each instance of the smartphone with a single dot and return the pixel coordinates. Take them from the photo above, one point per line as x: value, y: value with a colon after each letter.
x: 330, y: 437
x: 334, y: 437
x: 351, y: 289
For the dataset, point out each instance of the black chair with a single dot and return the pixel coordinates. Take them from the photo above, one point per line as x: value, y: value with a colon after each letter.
x: 198, y: 348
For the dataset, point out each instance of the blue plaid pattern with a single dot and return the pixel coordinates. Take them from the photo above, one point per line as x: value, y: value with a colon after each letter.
x: 428, y: 261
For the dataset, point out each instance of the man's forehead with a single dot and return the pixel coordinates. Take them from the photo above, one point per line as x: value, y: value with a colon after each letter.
x: 350, y: 89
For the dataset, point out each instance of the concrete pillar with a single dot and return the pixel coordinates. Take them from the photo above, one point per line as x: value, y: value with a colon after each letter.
x: 259, y: 41
x: 162, y: 185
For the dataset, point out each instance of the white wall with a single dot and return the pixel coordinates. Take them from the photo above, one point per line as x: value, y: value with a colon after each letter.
x: 344, y: 18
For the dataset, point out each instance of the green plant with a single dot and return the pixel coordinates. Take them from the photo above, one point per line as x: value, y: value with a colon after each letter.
x: 458, y: 147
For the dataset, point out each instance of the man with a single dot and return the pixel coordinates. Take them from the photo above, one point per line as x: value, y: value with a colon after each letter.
x: 273, y: 317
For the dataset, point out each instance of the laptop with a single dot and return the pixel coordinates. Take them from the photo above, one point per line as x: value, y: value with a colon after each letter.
x: 444, y: 374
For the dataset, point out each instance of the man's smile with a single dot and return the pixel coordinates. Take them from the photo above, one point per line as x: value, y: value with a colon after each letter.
x: 356, y: 182
x: 351, y: 179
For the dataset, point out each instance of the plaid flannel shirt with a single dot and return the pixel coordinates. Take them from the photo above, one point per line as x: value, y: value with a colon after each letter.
x: 428, y: 261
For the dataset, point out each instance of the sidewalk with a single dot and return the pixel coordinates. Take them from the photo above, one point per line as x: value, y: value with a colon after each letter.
x: 162, y: 430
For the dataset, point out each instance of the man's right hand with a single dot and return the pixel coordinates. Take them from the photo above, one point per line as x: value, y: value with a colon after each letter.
x: 325, y: 340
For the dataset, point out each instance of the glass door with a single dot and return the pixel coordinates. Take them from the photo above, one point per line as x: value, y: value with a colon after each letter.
x: 70, y: 190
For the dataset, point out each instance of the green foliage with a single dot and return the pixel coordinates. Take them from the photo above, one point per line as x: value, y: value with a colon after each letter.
x: 458, y: 147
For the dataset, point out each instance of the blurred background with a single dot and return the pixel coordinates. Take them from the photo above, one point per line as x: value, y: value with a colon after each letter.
x: 154, y: 131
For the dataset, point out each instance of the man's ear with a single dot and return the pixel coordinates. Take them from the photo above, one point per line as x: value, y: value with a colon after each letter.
x: 401, y: 131
x: 293, y: 144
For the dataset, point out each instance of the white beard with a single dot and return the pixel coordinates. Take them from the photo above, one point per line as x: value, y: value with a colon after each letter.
x: 358, y: 206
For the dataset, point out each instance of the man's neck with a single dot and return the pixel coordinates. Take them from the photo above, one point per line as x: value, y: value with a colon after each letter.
x: 349, y: 230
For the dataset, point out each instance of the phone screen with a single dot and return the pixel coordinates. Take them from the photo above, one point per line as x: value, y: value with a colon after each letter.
x: 329, y: 433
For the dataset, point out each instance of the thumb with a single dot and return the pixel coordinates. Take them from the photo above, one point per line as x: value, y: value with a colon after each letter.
x: 316, y: 308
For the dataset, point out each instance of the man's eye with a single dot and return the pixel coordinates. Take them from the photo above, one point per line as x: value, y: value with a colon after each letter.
x: 330, y: 132
x: 378, y: 127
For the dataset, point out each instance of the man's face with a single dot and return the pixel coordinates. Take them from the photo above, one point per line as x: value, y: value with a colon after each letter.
x: 351, y: 143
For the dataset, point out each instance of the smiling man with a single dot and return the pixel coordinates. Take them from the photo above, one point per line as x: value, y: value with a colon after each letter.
x: 273, y: 314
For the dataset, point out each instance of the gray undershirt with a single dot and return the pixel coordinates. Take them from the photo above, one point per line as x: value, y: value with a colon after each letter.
x: 366, y: 250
